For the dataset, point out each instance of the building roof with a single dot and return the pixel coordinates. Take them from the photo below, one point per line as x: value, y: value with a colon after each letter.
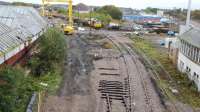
x: 25, y: 19
x: 18, y: 25
x: 192, y: 36
x: 8, y: 38
x: 81, y: 7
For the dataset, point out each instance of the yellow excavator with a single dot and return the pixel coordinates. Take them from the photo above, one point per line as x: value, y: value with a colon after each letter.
x: 68, y: 29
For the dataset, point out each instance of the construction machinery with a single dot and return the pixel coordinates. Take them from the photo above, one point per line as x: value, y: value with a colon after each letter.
x: 97, y: 25
x: 68, y: 29
x: 94, y: 23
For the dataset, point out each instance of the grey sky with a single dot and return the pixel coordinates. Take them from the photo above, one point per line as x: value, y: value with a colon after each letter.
x: 133, y: 3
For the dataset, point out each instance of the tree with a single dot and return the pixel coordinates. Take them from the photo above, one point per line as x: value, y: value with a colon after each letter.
x: 111, y: 10
x: 14, y: 89
x: 52, y: 49
x: 151, y: 10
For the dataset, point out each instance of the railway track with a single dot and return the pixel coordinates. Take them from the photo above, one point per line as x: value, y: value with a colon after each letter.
x: 124, y: 49
x: 149, y: 107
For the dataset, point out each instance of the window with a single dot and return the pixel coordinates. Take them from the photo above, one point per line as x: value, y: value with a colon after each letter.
x: 181, y: 65
x: 195, y: 73
x: 188, y: 69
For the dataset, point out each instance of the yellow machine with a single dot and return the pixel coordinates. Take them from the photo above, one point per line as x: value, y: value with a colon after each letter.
x: 69, y: 29
x: 97, y: 25
x: 94, y: 23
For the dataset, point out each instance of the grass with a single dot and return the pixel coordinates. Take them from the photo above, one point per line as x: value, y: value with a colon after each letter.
x: 187, y: 91
x: 107, y: 45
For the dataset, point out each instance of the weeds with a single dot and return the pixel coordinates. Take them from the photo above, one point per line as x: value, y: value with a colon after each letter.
x: 187, y: 91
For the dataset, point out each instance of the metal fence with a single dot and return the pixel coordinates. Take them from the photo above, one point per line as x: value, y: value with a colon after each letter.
x: 35, y: 102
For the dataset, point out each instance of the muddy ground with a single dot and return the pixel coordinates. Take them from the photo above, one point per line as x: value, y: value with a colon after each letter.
x: 88, y: 63
x: 75, y: 94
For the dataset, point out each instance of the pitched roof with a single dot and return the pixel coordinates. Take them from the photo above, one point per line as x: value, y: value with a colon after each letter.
x: 18, y: 25
x: 192, y: 36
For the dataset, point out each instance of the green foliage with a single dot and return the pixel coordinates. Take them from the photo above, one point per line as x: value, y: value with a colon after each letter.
x: 62, y: 11
x: 111, y: 10
x: 151, y: 10
x: 196, y: 14
x: 104, y: 18
x: 21, y: 4
x: 15, y: 89
x: 52, y: 51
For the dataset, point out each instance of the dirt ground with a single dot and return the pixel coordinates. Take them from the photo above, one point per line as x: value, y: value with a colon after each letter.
x: 116, y: 81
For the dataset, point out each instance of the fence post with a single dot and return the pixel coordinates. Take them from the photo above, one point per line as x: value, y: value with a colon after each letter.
x: 39, y: 101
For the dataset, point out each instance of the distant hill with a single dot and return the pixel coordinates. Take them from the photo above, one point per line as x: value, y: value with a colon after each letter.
x: 4, y: 3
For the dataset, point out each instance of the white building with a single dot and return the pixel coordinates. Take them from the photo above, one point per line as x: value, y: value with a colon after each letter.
x: 189, y: 55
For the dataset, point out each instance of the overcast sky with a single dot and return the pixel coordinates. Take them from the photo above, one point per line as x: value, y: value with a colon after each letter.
x: 138, y: 4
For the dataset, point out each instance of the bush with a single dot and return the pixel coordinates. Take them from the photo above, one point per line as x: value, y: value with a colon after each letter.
x: 15, y: 89
x: 52, y: 51
x: 62, y: 11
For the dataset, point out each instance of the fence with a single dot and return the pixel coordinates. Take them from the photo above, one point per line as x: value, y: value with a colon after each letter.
x: 36, y: 102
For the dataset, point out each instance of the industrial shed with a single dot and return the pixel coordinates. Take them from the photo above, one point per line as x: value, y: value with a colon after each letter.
x: 20, y: 27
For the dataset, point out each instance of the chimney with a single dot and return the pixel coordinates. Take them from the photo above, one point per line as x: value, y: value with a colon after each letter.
x: 188, y: 13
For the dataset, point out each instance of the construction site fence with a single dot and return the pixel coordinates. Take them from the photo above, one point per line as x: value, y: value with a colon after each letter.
x: 35, y: 102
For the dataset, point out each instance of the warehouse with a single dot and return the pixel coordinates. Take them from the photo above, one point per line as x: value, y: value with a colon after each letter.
x: 142, y: 19
x: 19, y: 29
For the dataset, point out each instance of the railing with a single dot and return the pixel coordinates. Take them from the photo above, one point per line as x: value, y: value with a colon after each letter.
x: 35, y: 102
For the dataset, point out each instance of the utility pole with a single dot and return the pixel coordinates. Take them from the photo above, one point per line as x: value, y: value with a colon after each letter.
x: 90, y: 21
x: 78, y: 16
x: 43, y: 10
x: 188, y: 13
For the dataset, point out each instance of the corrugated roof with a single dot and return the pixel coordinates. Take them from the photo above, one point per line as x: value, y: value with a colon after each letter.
x: 8, y: 38
x: 18, y: 24
x: 26, y: 19
x: 192, y: 36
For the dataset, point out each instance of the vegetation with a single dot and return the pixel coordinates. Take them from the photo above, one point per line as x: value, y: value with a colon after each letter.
x: 15, y: 89
x: 151, y: 10
x: 52, y: 51
x: 105, y: 18
x: 22, y: 4
x: 107, y: 45
x: 196, y: 14
x: 187, y: 91
x: 111, y: 10
x: 62, y: 11
x: 17, y: 85
x: 178, y: 13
